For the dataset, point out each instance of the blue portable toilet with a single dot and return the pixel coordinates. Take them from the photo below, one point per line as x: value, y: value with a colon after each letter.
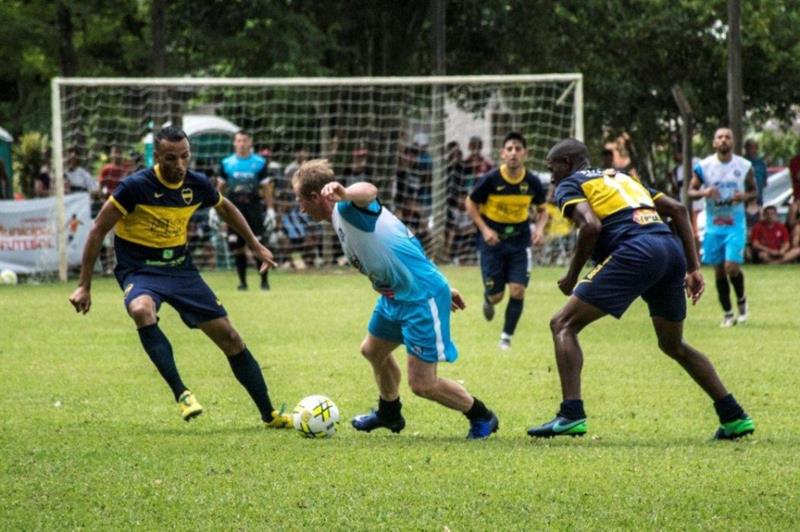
x: 6, y: 140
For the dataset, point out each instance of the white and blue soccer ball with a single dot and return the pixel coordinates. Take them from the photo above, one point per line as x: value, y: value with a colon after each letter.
x: 8, y: 277
x: 316, y: 416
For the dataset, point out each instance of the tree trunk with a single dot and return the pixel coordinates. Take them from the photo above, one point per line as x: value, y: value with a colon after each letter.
x: 158, y: 28
x: 67, y: 57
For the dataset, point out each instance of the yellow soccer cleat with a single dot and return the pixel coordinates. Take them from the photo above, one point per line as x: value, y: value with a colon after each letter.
x: 280, y: 420
x: 189, y: 406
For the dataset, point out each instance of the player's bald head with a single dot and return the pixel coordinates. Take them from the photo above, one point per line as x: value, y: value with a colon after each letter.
x: 571, y: 149
x: 565, y: 158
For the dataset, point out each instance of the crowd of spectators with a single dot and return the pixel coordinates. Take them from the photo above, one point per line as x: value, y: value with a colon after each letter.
x: 299, y: 243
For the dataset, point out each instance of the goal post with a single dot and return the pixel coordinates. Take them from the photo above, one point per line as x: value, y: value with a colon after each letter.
x: 401, y: 133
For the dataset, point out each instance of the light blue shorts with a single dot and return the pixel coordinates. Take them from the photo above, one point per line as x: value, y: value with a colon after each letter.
x: 724, y: 246
x: 423, y: 326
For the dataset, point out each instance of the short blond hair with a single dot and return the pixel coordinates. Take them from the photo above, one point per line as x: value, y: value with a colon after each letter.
x: 312, y: 176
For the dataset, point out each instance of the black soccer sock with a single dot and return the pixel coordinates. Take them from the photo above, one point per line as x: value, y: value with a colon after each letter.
x: 728, y: 409
x: 724, y: 293
x: 738, y: 286
x: 249, y: 375
x: 513, y: 312
x: 160, y: 352
x: 477, y: 411
x: 572, y: 409
x: 241, y: 268
x: 389, y: 409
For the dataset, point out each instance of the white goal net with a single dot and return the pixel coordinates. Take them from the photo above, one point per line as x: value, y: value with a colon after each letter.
x: 422, y: 141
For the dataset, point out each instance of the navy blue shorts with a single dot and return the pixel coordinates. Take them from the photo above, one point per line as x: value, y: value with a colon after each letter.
x: 187, y: 293
x: 651, y: 266
x: 503, y: 263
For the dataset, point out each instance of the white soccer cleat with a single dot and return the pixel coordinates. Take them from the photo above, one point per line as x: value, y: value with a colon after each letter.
x: 505, y: 342
x: 728, y: 321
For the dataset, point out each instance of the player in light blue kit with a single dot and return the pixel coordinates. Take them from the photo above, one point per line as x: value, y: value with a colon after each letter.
x: 413, y: 308
x: 727, y: 181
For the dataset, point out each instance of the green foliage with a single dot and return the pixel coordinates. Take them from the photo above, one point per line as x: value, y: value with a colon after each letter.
x: 29, y: 157
x: 631, y: 52
x: 92, y: 439
x: 778, y: 147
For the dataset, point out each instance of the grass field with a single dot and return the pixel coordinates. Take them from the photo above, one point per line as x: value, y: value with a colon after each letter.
x: 90, y: 438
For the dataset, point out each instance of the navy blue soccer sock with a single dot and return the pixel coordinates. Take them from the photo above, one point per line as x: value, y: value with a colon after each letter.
x: 513, y: 312
x: 728, y: 409
x: 572, y: 409
x: 160, y: 352
x: 724, y: 293
x: 241, y: 267
x: 248, y: 373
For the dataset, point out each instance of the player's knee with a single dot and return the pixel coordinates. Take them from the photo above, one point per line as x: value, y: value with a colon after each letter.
x: 671, y: 348
x: 495, y: 298
x: 422, y: 387
x: 516, y: 291
x: 558, y: 323
x: 143, y: 311
x: 731, y: 269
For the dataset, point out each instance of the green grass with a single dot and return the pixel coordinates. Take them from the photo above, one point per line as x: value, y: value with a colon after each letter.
x: 89, y: 436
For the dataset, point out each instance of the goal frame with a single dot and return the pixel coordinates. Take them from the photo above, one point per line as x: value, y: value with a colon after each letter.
x: 575, y: 86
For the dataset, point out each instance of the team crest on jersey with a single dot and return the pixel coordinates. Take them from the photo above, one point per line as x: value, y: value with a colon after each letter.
x: 737, y: 173
x: 187, y: 195
x: 523, y: 187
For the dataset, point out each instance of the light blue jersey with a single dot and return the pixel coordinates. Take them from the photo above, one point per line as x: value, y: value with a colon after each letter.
x: 723, y: 216
x: 383, y: 249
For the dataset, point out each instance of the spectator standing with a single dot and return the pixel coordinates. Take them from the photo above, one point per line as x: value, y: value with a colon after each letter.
x: 77, y: 177
x: 112, y: 172
x: 475, y: 165
x: 41, y: 183
x: 759, y: 168
x: 770, y: 240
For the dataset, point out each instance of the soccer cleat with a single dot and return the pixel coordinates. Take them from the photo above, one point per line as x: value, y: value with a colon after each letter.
x: 728, y: 321
x: 488, y: 310
x: 372, y: 421
x: 265, y: 285
x: 280, y: 420
x: 742, y: 317
x: 480, y: 429
x: 560, y: 426
x: 189, y: 406
x: 505, y: 344
x: 242, y: 287
x: 735, y: 429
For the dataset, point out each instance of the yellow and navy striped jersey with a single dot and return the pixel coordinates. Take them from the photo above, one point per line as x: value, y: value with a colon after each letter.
x: 154, y: 227
x: 624, y: 205
x: 504, y: 201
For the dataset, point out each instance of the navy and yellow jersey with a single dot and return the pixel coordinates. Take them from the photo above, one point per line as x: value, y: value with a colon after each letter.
x: 504, y: 203
x: 623, y: 204
x: 153, y: 230
x: 243, y: 177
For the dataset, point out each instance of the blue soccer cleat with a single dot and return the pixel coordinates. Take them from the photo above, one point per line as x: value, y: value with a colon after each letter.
x: 480, y: 429
x: 372, y: 421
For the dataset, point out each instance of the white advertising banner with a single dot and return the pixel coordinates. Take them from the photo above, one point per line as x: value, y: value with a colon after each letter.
x: 29, y: 232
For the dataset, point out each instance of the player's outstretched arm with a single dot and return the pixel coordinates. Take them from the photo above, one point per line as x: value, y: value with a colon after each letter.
x: 108, y: 216
x: 589, y: 228
x: 235, y: 220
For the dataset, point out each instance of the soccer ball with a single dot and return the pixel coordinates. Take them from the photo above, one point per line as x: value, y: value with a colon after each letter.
x: 8, y: 277
x: 316, y: 416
